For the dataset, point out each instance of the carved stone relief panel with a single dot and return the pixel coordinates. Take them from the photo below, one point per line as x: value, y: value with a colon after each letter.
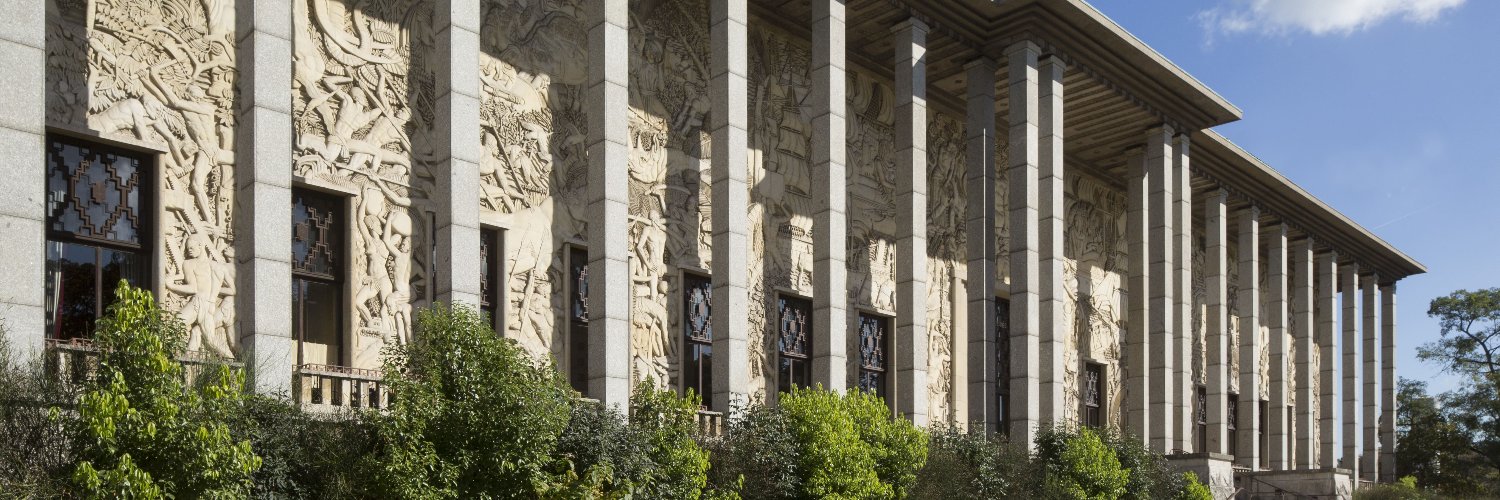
x: 163, y: 73
x: 1094, y: 249
x: 946, y: 253
x: 533, y: 68
x: 362, y: 105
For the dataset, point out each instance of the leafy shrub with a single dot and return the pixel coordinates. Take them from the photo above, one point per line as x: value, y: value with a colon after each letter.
x: 1403, y: 489
x: 1150, y: 474
x: 35, y: 453
x: 1192, y: 489
x: 472, y: 416
x: 1078, y: 464
x: 898, y: 447
x: 304, y: 455
x: 652, y: 455
x: 758, y: 453
x: 833, y: 459
x: 141, y: 432
x: 972, y: 464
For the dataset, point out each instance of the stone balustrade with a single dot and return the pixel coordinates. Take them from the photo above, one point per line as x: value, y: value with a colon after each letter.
x: 330, y: 388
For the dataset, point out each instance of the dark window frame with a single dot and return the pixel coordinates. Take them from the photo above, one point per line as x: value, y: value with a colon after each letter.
x: 1232, y: 422
x: 697, y: 336
x: 576, y: 348
x: 1201, y: 394
x: 304, y: 280
x: 144, y: 215
x: 492, y: 277
x: 1002, y: 363
x: 873, y: 368
x: 794, y: 366
x: 1092, y: 411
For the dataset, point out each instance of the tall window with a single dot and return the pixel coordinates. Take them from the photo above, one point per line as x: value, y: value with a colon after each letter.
x: 491, y: 276
x: 1263, y: 417
x: 1093, y: 394
x: 698, y: 336
x: 97, y: 219
x: 578, y: 319
x: 873, y: 343
x: 1233, y: 422
x: 1202, y: 418
x: 317, y: 277
x: 794, y: 343
x: 1002, y: 362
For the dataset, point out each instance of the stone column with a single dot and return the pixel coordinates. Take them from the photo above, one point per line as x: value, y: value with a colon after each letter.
x: 1159, y: 161
x: 728, y: 121
x: 23, y: 136
x: 1248, y: 426
x: 457, y: 133
x: 1349, y: 283
x: 1137, y: 348
x: 1055, y: 328
x: 1369, y: 470
x: 831, y: 299
x: 608, y: 155
x: 911, y: 219
x: 1182, y: 289
x: 263, y: 194
x: 1388, y: 382
x: 1327, y: 300
x: 1302, y: 307
x: 1023, y: 171
x: 1216, y: 222
x: 982, y: 254
x: 1276, y: 319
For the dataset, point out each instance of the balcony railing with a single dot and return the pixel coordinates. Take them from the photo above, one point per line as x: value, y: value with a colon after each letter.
x: 331, y: 388
x: 77, y: 360
x: 710, y: 423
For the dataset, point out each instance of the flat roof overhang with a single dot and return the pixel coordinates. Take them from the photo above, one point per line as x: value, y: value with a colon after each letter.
x: 1220, y: 160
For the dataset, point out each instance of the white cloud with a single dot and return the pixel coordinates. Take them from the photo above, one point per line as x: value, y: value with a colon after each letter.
x: 1318, y: 17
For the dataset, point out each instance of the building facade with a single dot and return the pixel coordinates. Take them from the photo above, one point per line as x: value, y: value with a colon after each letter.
x: 998, y: 214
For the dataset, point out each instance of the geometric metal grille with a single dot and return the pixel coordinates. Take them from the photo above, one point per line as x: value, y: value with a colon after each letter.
x: 579, y: 262
x: 698, y: 296
x: 94, y: 193
x: 578, y: 319
x: 794, y: 342
x: 489, y: 275
x: 1002, y: 362
x: 317, y: 238
x: 1092, y: 394
x: 1202, y: 406
x: 872, y: 350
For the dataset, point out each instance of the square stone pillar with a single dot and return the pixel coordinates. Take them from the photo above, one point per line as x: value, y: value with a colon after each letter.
x: 23, y: 136
x: 1248, y: 425
x: 1388, y: 382
x: 263, y: 194
x: 1182, y: 284
x: 1216, y: 329
x: 1137, y: 348
x: 1327, y: 353
x: 457, y: 137
x: 608, y: 159
x: 1055, y: 327
x: 1159, y: 162
x: 1349, y: 284
x: 982, y: 252
x: 1023, y: 175
x: 1276, y: 320
x: 1370, y: 469
x: 830, y: 276
x: 1304, y: 326
x: 910, y: 44
x: 728, y: 122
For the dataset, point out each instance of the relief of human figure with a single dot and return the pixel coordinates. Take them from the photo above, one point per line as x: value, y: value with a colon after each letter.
x: 206, y: 283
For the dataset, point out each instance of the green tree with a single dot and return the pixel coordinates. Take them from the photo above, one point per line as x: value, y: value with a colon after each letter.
x: 1468, y: 346
x: 1078, y: 464
x: 141, y: 431
x: 1431, y: 447
x: 833, y: 459
x: 473, y: 415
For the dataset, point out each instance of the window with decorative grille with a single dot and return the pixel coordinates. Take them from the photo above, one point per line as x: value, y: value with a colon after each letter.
x: 1093, y: 394
x: 491, y: 277
x: 794, y: 343
x: 578, y: 319
x: 98, y: 222
x: 317, y: 277
x: 698, y: 336
x: 873, y: 339
x: 1232, y: 421
x: 1002, y: 363
x: 1202, y: 398
x: 1263, y: 418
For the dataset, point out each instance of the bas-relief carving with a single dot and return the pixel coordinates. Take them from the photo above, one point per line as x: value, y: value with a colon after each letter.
x: 163, y: 73
x: 947, y: 207
x: 362, y: 106
x: 533, y: 69
x: 1094, y: 249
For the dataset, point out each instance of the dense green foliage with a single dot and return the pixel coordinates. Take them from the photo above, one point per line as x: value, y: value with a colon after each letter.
x: 653, y: 454
x: 1078, y: 464
x: 473, y: 416
x: 141, y: 432
x: 962, y: 464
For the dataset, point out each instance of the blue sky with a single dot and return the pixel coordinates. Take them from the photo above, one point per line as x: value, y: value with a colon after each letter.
x: 1385, y: 109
